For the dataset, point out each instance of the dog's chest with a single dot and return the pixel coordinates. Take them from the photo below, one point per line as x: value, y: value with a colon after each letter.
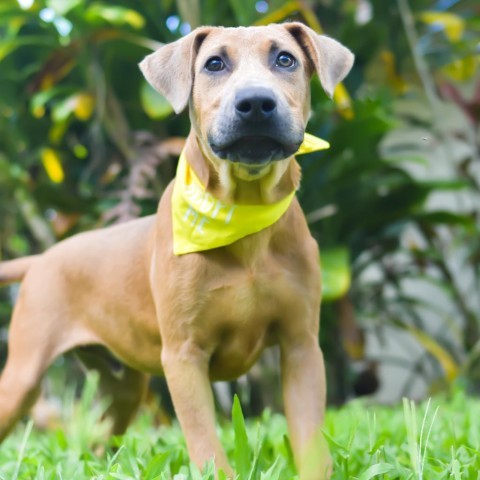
x: 243, y: 309
x: 231, y: 303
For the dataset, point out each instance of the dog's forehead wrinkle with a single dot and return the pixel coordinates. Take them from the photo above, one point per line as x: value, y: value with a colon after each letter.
x: 238, y: 38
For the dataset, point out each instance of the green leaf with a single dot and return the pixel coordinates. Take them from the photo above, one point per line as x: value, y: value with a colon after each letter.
x: 101, y: 13
x: 80, y: 103
x: 195, y: 472
x: 18, y: 244
x: 40, y: 99
x: 10, y: 6
x: 242, y: 449
x: 190, y: 11
x: 446, y: 218
x: 417, y: 159
x: 12, y: 16
x: 61, y: 7
x: 155, y: 105
x: 10, y: 45
x: 375, y: 470
x: 242, y: 11
x: 445, y: 184
x: 336, y: 273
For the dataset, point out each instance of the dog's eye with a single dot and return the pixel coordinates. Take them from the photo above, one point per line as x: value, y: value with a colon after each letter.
x: 215, y: 64
x: 285, y: 60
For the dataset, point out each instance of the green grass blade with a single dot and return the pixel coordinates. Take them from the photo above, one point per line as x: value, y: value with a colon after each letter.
x: 242, y: 448
x: 195, y: 472
x: 428, y: 436
x: 156, y: 466
x: 387, y: 443
x: 411, y: 427
x: 221, y: 475
x: 112, y: 460
x: 21, y: 451
x: 274, y: 472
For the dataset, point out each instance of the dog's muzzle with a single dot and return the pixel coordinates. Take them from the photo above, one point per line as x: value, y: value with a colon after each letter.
x: 257, y: 134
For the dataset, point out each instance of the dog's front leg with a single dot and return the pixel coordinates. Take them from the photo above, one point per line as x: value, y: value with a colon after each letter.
x: 304, y: 392
x: 186, y: 371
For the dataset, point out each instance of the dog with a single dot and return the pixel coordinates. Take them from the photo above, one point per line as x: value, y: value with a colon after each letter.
x: 165, y: 303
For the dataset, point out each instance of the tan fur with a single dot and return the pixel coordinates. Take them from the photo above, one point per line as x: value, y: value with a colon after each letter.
x: 197, y: 317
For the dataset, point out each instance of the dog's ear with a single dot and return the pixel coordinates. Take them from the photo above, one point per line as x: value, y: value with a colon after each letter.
x: 329, y: 58
x: 170, y: 69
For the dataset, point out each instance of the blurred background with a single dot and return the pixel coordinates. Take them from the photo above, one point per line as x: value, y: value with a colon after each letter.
x: 85, y: 142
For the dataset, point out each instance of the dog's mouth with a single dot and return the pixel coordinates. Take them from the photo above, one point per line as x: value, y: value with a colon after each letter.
x: 254, y: 150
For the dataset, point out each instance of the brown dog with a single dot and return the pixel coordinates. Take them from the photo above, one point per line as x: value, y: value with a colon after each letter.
x: 206, y: 315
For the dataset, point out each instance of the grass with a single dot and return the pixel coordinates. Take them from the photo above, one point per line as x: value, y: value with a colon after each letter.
x: 438, y: 439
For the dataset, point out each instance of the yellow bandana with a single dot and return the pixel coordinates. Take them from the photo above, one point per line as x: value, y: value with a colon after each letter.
x: 202, y: 222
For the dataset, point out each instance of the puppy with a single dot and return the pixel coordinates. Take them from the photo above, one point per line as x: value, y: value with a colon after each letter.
x: 225, y: 268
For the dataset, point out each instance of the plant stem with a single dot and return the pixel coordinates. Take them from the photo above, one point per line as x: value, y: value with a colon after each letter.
x: 37, y: 224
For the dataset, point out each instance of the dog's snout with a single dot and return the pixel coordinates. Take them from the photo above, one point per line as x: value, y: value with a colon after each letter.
x: 255, y: 104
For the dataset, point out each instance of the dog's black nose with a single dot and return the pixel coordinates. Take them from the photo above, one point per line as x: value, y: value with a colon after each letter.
x: 255, y: 104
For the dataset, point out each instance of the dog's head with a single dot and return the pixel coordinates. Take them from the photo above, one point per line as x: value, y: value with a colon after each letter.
x: 248, y: 88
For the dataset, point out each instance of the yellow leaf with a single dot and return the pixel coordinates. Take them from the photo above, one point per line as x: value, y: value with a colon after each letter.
x: 446, y: 361
x: 343, y: 101
x: 395, y: 81
x: 134, y: 19
x: 454, y: 25
x: 53, y: 165
x: 117, y: 15
x: 463, y: 68
x: 310, y: 18
x: 57, y: 131
x: 39, y: 111
x: 84, y: 104
x: 280, y: 14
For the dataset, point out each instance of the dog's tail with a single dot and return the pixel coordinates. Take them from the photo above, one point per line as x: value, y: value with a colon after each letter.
x: 14, y: 270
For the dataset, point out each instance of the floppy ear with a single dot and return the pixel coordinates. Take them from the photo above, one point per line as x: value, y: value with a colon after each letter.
x: 331, y: 60
x: 169, y: 70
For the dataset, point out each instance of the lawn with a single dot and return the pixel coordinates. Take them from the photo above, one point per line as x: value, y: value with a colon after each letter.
x: 439, y: 439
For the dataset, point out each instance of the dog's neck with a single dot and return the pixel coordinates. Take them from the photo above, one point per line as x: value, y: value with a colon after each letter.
x: 220, y: 180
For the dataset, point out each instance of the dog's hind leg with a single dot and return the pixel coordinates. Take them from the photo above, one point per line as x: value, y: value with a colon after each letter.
x: 122, y: 385
x: 31, y: 349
